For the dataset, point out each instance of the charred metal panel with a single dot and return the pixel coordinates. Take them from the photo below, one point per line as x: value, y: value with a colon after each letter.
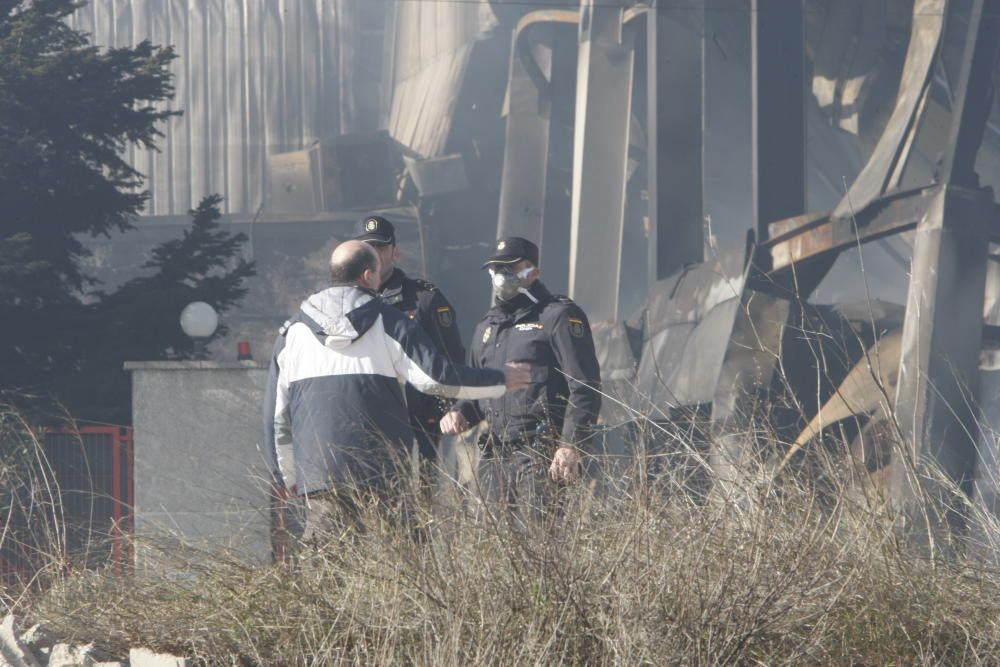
x: 987, y: 478
x: 674, y: 65
x: 618, y: 347
x: 603, y: 111
x: 942, y: 335
x: 727, y: 153
x: 432, y: 45
x: 438, y: 176
x: 361, y: 44
x: 687, y: 326
x: 778, y: 127
x: 539, y: 93
x: 779, y: 133
x: 754, y: 342
x: 884, y: 168
x: 846, y: 58
x: 527, y: 108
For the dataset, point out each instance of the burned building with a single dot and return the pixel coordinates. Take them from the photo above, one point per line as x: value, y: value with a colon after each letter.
x: 712, y: 181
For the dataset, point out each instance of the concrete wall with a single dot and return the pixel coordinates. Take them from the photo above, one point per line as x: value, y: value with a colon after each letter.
x: 200, y: 475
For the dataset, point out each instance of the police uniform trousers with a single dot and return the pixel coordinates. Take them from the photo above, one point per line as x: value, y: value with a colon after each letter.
x: 512, y: 481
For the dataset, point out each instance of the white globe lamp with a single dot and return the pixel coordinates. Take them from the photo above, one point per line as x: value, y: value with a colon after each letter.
x: 199, y: 321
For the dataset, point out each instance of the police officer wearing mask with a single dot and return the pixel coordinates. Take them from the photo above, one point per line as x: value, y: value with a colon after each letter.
x: 548, y: 424
x: 423, y: 302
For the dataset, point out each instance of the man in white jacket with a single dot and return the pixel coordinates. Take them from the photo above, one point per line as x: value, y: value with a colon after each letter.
x: 335, y: 389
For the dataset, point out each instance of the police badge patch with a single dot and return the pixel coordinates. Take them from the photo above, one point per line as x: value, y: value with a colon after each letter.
x: 576, y: 327
x: 445, y: 317
x: 371, y: 224
x: 487, y: 334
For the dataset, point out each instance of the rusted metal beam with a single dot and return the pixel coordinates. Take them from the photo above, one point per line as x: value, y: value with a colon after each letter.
x: 815, y: 236
x: 818, y: 235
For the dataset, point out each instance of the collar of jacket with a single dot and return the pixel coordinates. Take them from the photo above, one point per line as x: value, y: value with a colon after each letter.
x: 394, y: 284
x: 391, y: 292
x: 340, y: 314
x: 521, y: 306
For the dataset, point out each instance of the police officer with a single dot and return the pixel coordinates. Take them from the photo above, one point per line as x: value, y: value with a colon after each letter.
x: 423, y: 302
x: 546, y: 426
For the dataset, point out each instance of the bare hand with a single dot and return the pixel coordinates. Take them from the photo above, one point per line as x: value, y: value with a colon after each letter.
x: 453, y: 423
x: 517, y: 375
x: 565, y: 465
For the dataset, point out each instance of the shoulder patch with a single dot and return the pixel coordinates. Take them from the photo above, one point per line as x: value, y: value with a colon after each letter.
x: 576, y: 328
x: 445, y: 316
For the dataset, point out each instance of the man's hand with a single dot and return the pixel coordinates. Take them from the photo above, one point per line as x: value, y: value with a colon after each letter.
x: 517, y: 375
x: 453, y: 423
x: 565, y: 465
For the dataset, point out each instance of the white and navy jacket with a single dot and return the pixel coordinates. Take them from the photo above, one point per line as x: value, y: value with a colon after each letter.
x: 334, y: 412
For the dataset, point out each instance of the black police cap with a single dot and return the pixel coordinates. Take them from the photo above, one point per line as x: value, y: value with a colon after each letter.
x: 375, y: 229
x: 512, y: 250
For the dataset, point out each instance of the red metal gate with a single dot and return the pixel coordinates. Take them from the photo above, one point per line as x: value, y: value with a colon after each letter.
x: 90, y: 471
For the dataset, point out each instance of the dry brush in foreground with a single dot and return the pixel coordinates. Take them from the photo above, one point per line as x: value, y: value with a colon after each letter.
x: 798, y: 572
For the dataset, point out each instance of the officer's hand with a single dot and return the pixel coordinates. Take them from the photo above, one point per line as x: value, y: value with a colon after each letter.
x: 517, y: 375
x: 565, y: 465
x: 453, y: 423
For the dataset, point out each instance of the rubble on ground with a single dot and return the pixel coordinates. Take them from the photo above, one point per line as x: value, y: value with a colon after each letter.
x: 36, y: 648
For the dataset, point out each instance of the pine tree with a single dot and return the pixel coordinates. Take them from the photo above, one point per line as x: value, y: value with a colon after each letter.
x: 140, y: 321
x: 68, y: 111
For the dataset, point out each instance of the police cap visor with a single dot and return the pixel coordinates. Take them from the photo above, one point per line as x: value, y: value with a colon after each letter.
x: 512, y: 250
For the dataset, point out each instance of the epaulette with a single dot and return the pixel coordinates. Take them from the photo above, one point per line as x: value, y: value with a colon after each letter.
x: 425, y: 286
x: 561, y: 298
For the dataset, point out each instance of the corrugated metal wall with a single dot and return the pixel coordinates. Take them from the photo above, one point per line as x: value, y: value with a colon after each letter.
x: 256, y: 77
x: 432, y: 42
x: 253, y: 77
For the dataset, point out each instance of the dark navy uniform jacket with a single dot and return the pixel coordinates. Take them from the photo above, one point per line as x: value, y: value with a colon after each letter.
x: 424, y: 303
x: 554, y: 336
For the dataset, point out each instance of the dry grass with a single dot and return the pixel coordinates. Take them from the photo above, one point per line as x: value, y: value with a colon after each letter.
x: 793, y: 573
x: 808, y: 567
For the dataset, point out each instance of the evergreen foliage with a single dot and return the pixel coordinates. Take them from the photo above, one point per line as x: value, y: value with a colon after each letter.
x: 68, y: 112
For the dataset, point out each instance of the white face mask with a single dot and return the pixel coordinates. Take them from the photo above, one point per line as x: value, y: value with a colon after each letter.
x: 507, y: 285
